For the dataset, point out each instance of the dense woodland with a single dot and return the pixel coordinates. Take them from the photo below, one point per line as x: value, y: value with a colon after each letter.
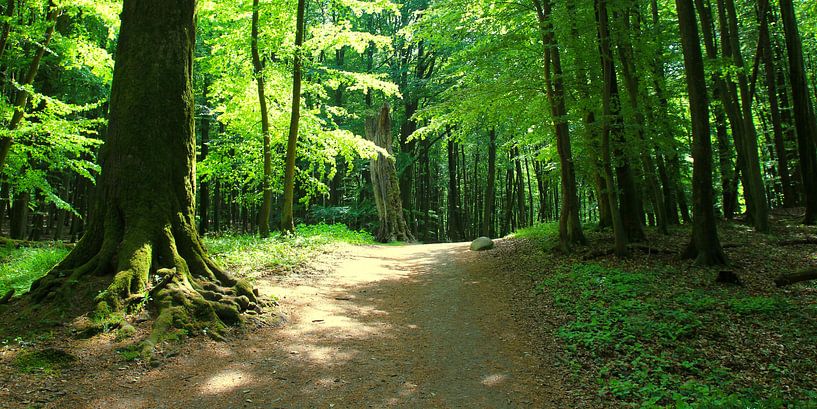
x: 656, y: 135
x: 504, y: 114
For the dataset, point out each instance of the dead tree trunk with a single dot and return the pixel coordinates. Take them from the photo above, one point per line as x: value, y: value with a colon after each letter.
x: 393, y: 225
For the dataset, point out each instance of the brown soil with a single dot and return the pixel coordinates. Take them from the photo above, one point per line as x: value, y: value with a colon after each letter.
x: 413, y: 326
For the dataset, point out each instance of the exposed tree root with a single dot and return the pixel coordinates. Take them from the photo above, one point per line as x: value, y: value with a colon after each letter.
x: 799, y: 242
x: 796, y: 277
x: 632, y: 247
x: 161, y: 267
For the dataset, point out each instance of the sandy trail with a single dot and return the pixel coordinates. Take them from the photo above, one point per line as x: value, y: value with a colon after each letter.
x: 413, y: 326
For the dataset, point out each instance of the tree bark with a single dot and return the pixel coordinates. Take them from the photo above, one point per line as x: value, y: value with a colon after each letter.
x: 141, y: 233
x: 455, y: 222
x: 204, y: 190
x: 756, y: 192
x: 258, y: 71
x: 570, y: 228
x: 609, y: 98
x: 804, y: 119
x: 789, y: 195
x: 386, y: 186
x: 490, y: 195
x: 705, y: 246
x: 287, y: 222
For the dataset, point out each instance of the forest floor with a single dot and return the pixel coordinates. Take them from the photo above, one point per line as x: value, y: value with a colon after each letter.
x: 367, y: 326
x: 438, y: 326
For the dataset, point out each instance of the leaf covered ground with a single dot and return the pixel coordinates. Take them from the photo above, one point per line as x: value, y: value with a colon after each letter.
x: 653, y: 330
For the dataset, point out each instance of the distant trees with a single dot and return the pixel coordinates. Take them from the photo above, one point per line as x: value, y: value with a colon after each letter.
x: 576, y: 112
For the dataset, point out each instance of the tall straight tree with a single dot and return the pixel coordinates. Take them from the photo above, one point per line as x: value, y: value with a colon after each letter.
x: 755, y: 190
x: 570, y: 228
x: 490, y: 199
x: 287, y: 222
x: 610, y: 124
x: 804, y: 119
x: 141, y: 234
x: 705, y: 246
x: 258, y: 71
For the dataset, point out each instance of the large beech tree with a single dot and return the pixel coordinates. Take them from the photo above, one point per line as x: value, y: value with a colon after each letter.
x: 141, y: 235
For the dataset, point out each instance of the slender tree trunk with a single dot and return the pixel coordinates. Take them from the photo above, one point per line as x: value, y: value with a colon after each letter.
x: 521, y: 212
x: 570, y: 229
x: 490, y: 195
x: 258, y: 71
x: 455, y: 225
x: 287, y: 222
x: 803, y: 111
x: 633, y: 86
x: 204, y: 190
x: 756, y: 200
x: 609, y: 98
x: 789, y: 194
x: 705, y: 246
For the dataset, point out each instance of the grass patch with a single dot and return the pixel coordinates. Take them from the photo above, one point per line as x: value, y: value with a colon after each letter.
x: 19, y: 267
x: 655, y: 343
x: 244, y: 254
x: 48, y: 361
x: 539, y: 232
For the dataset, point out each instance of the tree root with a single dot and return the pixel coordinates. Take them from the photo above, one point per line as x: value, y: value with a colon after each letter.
x: 796, y: 277
x: 165, y: 271
x: 632, y: 247
x: 799, y: 242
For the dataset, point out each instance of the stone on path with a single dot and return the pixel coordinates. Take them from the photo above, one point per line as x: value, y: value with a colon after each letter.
x: 481, y: 244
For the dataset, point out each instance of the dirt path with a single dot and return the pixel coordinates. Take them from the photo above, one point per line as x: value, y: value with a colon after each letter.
x: 414, y: 326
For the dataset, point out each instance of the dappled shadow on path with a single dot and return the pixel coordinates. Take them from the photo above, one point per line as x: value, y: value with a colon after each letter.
x: 413, y: 326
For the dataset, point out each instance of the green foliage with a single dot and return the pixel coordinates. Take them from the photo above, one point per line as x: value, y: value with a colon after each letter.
x: 542, y: 231
x: 19, y: 267
x: 646, y: 336
x: 245, y: 254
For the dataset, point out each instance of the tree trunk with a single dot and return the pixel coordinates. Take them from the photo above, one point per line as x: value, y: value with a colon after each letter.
x: 490, y: 195
x: 787, y: 187
x: 455, y: 222
x: 756, y: 191
x: 204, y: 190
x: 570, y: 228
x: 632, y: 84
x: 141, y: 232
x: 705, y: 246
x: 521, y: 212
x: 258, y: 71
x: 804, y: 119
x: 393, y: 225
x: 287, y: 222
x: 609, y: 99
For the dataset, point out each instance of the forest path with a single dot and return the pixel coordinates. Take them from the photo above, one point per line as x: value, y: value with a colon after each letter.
x: 426, y: 326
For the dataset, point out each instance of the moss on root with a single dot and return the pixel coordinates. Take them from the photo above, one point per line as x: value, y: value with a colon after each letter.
x: 166, y: 272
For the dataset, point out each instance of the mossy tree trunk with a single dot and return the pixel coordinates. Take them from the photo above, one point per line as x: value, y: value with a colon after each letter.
x: 384, y: 180
x: 141, y: 232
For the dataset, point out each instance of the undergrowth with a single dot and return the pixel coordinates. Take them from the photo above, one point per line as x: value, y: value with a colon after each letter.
x: 19, y: 267
x: 243, y: 254
x: 656, y: 343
